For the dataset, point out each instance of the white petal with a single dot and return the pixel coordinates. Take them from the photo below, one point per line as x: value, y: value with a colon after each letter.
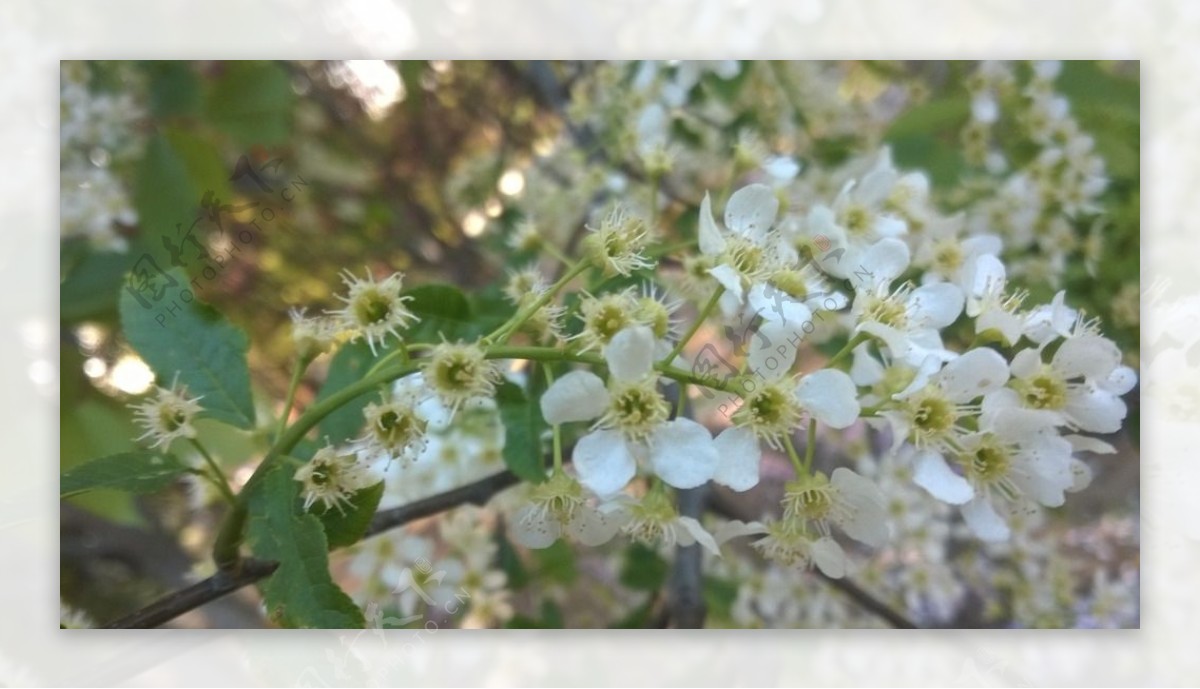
x: 882, y: 262
x: 1096, y: 411
x: 983, y: 277
x: 935, y: 306
x: 889, y: 226
x: 729, y: 279
x: 863, y: 518
x: 764, y: 357
x: 697, y: 534
x: 1003, y: 322
x: 737, y: 529
x: 935, y: 476
x: 875, y: 186
x: 751, y: 211
x: 630, y: 354
x: 981, y: 517
x: 775, y: 305
x: 1026, y: 363
x: 829, y: 557
x: 1081, y: 476
x: 830, y: 396
x: 865, y: 370
x: 711, y: 240
x: 683, y: 454
x: 781, y: 168
x: 974, y: 374
x: 1120, y: 381
x: 739, y: 457
x: 1083, y: 443
x: 531, y: 528
x: 603, y: 462
x: 592, y: 527
x: 1087, y: 355
x: 577, y: 396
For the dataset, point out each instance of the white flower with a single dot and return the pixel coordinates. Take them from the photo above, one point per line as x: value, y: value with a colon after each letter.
x: 906, y: 319
x: 988, y: 302
x: 654, y: 520
x: 616, y: 244
x: 931, y: 409
x: 1081, y: 387
x: 747, y: 252
x: 373, y: 309
x: 558, y: 506
x: 778, y: 403
x: 789, y: 543
x: 632, y: 422
x: 168, y: 415
x: 1017, y: 457
x: 331, y: 477
x: 848, y: 500
x: 1048, y: 322
x: 860, y: 216
x: 605, y: 316
x: 395, y: 428
x: 312, y: 336
x: 459, y: 373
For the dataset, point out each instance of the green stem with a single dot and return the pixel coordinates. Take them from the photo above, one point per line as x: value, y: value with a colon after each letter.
x: 229, y: 539
x: 218, y: 477
x: 293, y: 385
x: 653, y: 183
x: 504, y: 331
x: 558, y: 255
x: 854, y: 342
x: 712, y: 304
x: 558, y: 451
x: 810, y: 448
x: 793, y: 455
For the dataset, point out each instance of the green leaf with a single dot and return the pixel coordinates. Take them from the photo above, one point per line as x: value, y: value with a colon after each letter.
x: 134, y: 472
x: 252, y: 102
x: 551, y: 615
x: 179, y: 334
x: 642, y: 569
x: 346, y: 527
x: 348, y: 366
x: 174, y: 87
x: 444, y: 311
x: 301, y: 593
x: 556, y: 563
x: 176, y: 170
x: 89, y: 289
x: 523, y: 424
x: 91, y: 427
x: 719, y: 596
x: 509, y: 561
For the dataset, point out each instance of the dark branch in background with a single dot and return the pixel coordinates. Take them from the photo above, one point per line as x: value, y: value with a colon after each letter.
x: 685, y: 597
x: 724, y: 507
x: 477, y: 493
x: 175, y: 604
x: 220, y: 584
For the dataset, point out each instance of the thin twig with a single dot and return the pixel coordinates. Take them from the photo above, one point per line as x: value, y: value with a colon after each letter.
x: 175, y: 604
x: 685, y: 593
x: 250, y: 571
x: 864, y: 599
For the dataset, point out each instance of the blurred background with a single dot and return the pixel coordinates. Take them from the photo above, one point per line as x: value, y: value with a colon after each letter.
x: 439, y: 169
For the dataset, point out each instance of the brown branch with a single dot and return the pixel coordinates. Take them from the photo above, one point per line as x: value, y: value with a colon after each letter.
x: 685, y: 592
x: 220, y: 584
x: 175, y: 604
x: 725, y: 508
